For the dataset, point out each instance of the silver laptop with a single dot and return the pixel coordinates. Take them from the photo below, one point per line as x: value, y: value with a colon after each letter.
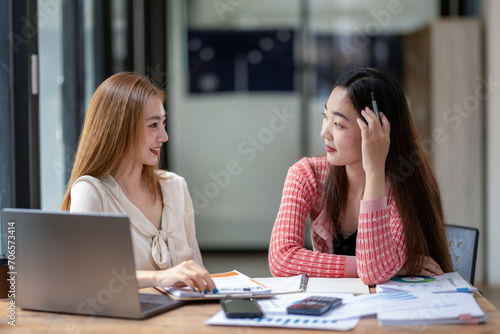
x: 79, y: 264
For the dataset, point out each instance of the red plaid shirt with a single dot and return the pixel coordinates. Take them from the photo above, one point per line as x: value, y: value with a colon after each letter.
x: 380, y: 244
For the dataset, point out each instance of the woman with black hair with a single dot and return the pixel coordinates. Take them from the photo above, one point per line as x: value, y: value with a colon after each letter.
x: 369, y: 217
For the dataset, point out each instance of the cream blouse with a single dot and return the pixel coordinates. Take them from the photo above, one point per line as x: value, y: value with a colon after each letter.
x: 154, y: 249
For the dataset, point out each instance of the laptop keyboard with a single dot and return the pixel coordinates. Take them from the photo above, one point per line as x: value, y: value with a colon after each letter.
x: 146, y: 306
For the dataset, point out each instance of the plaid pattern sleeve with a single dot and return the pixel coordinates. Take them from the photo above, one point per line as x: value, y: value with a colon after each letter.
x: 287, y: 255
x: 381, y: 245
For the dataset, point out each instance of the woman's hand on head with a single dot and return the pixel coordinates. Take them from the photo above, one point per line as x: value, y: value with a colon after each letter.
x: 187, y: 273
x: 375, y: 141
x: 428, y: 267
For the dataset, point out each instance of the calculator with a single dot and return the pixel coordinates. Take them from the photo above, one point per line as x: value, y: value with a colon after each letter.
x: 314, y: 305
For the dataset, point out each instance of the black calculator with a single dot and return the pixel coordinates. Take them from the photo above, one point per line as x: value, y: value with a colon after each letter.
x: 314, y: 305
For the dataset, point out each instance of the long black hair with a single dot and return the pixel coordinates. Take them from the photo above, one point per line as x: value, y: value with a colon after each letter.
x: 412, y: 180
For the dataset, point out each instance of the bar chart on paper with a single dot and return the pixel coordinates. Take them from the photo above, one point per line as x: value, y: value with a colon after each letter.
x: 307, y: 322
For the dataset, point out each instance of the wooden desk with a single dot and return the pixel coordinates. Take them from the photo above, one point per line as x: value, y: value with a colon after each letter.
x: 191, y: 317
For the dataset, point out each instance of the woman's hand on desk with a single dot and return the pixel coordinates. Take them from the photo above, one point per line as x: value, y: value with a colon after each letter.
x: 429, y: 267
x: 187, y: 273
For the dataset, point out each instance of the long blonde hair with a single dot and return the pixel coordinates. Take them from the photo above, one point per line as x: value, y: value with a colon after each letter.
x: 113, y: 127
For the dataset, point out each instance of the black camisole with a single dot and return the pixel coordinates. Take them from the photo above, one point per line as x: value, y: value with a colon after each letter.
x: 345, y: 246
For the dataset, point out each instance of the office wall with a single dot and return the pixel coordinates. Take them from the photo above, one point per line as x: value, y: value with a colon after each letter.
x: 491, y: 10
x: 444, y: 97
x: 211, y: 134
x: 229, y: 147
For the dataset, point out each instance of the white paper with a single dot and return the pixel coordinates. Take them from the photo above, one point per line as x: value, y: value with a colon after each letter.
x: 289, y: 321
x: 281, y: 284
x: 436, y: 309
x: 449, y: 282
x: 315, y: 284
x: 401, y: 308
x: 278, y: 304
x: 409, y: 305
x: 371, y: 304
x: 275, y: 315
x: 340, y: 285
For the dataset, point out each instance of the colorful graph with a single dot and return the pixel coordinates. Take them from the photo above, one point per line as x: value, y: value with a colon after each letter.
x: 401, y: 279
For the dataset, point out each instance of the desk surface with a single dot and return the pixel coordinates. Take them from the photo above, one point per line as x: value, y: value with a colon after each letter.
x: 190, y: 318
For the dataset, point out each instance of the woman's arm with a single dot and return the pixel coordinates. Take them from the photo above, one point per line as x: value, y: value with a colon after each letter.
x: 187, y: 273
x: 380, y: 244
x: 287, y: 255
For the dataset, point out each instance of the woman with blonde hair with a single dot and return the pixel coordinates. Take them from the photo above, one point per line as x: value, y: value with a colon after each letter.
x: 116, y: 170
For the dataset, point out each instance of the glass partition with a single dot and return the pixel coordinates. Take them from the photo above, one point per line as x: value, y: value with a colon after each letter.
x: 54, y: 166
x: 52, y: 148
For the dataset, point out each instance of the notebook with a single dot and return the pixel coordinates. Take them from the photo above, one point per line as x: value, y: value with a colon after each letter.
x: 78, y: 264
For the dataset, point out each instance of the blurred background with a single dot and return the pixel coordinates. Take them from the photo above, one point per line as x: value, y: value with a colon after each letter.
x: 246, y: 83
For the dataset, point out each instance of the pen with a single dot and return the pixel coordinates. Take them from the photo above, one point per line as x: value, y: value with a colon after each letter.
x: 374, y: 106
x: 303, y: 282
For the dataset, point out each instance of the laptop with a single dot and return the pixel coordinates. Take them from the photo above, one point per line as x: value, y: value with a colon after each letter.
x: 78, y: 264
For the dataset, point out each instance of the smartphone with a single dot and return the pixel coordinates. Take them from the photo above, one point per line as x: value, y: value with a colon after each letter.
x: 314, y: 305
x: 241, y: 308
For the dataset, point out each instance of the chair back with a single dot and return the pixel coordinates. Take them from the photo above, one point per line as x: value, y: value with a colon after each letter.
x: 462, y: 243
